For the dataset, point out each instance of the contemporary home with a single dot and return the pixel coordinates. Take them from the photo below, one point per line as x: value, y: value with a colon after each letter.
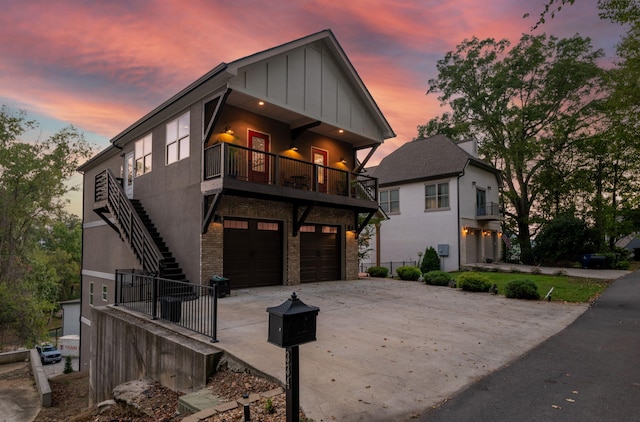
x: 437, y: 193
x: 249, y: 173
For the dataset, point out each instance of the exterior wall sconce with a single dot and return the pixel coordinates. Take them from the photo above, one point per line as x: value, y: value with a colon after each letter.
x: 488, y: 187
x: 228, y: 130
x: 473, y: 183
x: 293, y: 147
x: 465, y: 230
x: 343, y: 161
x: 217, y: 218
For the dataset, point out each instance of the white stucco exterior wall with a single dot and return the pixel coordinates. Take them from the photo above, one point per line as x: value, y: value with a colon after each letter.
x: 414, y: 229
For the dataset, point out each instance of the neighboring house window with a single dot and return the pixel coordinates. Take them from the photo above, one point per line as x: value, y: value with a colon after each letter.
x: 90, y: 293
x: 178, y: 139
x: 104, y: 292
x: 390, y: 201
x: 481, y: 202
x: 436, y: 196
x: 143, y: 155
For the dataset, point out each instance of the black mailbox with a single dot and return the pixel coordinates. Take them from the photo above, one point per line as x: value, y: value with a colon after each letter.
x: 292, y: 323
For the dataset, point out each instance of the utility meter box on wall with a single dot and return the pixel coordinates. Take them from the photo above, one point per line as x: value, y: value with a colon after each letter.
x: 443, y: 250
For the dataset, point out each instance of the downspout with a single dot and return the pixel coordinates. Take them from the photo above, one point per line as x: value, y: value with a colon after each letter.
x: 82, y: 298
x: 378, y: 244
x: 459, y: 226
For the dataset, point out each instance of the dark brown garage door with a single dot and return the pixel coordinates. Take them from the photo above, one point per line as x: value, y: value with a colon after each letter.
x: 319, y: 253
x: 252, y: 252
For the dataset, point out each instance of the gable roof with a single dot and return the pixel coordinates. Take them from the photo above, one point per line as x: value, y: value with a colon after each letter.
x: 426, y: 158
x: 249, y: 77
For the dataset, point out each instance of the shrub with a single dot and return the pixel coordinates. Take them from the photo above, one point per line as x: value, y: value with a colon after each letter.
x: 378, y: 272
x: 473, y: 282
x: 623, y: 265
x: 431, y: 261
x: 521, y: 289
x: 565, y: 238
x: 437, y: 278
x: 68, y: 366
x: 408, y: 273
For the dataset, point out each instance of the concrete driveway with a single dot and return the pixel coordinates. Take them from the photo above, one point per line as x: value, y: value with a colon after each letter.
x: 388, y: 349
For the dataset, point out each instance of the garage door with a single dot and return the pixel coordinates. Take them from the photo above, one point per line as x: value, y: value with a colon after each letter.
x: 319, y: 253
x: 252, y: 252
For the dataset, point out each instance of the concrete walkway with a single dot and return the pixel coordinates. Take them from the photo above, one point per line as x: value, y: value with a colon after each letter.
x: 573, y: 272
x: 389, y: 349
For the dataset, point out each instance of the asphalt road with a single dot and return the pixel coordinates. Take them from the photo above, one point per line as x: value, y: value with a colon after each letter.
x: 588, y: 372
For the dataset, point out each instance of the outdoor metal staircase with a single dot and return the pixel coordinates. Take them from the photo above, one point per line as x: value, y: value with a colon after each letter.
x: 170, y: 268
x: 132, y: 223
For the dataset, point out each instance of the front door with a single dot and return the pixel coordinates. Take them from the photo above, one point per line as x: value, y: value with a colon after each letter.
x: 128, y: 176
x: 320, y: 158
x: 259, y: 157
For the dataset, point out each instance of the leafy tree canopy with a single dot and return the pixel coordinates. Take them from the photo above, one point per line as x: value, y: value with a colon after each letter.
x: 39, y: 241
x: 526, y: 105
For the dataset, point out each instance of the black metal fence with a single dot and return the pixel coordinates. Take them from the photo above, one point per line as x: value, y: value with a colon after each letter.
x: 194, y: 307
x: 391, y: 266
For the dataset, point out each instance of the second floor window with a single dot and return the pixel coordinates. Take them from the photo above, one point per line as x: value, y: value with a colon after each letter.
x: 436, y: 196
x: 178, y: 139
x: 143, y: 155
x: 390, y: 201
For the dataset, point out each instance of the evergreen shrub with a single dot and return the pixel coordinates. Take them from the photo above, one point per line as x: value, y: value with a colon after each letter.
x: 437, y: 278
x: 408, y: 273
x: 381, y: 272
x: 430, y: 260
x: 473, y: 282
x: 521, y: 289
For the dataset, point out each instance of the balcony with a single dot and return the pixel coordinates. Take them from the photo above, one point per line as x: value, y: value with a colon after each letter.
x: 253, y: 172
x: 489, y: 211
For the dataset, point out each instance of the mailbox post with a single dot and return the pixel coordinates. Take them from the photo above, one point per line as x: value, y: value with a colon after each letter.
x: 291, y: 324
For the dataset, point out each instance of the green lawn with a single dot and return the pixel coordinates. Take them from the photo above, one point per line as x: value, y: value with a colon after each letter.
x: 568, y: 289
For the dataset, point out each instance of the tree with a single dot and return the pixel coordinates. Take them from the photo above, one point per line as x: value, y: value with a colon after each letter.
x: 61, y: 243
x: 565, y: 238
x: 526, y: 107
x: 33, y: 179
x: 430, y: 261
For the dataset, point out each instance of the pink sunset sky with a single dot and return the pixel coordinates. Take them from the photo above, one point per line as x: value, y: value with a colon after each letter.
x: 101, y: 65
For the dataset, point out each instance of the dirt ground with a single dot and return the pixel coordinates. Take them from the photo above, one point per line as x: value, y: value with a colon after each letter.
x: 70, y: 401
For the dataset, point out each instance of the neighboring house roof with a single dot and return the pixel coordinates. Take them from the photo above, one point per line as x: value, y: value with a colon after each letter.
x: 426, y: 158
x: 633, y: 244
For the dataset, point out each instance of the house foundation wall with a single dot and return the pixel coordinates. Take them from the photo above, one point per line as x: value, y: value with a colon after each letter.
x: 125, y: 347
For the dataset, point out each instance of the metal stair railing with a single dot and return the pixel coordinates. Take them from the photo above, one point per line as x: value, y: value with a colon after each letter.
x: 132, y: 230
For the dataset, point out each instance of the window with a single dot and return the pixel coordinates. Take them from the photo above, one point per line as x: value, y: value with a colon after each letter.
x: 236, y: 224
x: 104, y: 292
x: 436, y: 196
x: 143, y: 155
x: 90, y: 293
x: 390, y: 201
x: 178, y: 139
x: 268, y: 226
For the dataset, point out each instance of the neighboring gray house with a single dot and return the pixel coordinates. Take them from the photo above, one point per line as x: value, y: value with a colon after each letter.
x: 250, y: 172
x: 438, y: 193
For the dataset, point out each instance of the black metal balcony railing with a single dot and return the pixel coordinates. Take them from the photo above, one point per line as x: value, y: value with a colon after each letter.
x: 490, y: 209
x: 193, y: 307
x: 241, y: 163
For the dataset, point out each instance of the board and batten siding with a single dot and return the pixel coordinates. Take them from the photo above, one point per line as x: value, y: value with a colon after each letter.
x: 308, y: 80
